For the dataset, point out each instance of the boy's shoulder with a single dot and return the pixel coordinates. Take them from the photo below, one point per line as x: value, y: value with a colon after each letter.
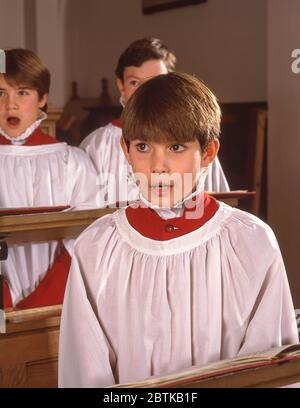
x: 99, y: 231
x: 106, y: 134
x: 246, y: 226
x: 248, y: 218
x: 77, y: 153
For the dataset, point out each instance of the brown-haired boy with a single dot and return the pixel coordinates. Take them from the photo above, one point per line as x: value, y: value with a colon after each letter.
x: 36, y: 171
x: 162, y: 291
x: 143, y: 59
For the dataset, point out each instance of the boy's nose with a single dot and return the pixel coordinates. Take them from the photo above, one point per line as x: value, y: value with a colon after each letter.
x: 159, y: 163
x: 11, y: 102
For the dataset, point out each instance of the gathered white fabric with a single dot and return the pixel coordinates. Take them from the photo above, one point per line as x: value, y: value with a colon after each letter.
x: 34, y: 176
x: 135, y: 307
x: 21, y: 139
x: 114, y: 172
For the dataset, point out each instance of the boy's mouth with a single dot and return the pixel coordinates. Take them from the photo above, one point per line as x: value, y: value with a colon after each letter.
x: 13, y: 121
x: 161, y: 188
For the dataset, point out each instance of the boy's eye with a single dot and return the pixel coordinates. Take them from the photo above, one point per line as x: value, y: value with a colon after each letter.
x: 2, y: 93
x: 23, y: 92
x: 177, y: 148
x: 135, y: 84
x: 142, y: 147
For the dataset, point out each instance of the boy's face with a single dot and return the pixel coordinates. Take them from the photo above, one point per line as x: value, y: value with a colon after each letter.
x: 19, y: 107
x: 168, y: 172
x: 134, y: 76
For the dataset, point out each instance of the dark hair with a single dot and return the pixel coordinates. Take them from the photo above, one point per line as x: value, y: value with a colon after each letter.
x: 24, y: 67
x: 144, y: 50
x: 176, y: 107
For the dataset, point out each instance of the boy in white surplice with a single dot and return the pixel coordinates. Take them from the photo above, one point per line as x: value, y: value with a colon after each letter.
x: 36, y: 171
x: 177, y: 279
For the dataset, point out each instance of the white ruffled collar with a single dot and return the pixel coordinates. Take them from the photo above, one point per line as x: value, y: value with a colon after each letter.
x: 178, y: 209
x: 21, y: 139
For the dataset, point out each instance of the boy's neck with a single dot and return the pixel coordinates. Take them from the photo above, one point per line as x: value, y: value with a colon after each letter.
x: 37, y: 138
x: 166, y: 213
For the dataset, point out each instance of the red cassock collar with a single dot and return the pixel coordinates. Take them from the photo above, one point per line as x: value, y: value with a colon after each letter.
x: 149, y: 224
x: 117, y: 122
x: 35, y: 139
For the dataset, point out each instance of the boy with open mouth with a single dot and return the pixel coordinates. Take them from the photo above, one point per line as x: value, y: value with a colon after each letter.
x: 36, y: 171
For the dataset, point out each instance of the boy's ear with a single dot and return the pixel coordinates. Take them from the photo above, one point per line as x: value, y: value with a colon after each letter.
x: 210, y: 152
x: 125, y: 149
x: 43, y: 100
x: 120, y: 86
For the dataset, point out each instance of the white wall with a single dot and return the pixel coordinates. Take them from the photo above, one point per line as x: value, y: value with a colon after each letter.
x: 224, y: 42
x: 284, y: 133
x: 11, y: 23
x: 50, y: 32
x: 40, y: 26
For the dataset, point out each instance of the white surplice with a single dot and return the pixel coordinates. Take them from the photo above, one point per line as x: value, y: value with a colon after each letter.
x: 136, y: 307
x: 104, y: 149
x: 34, y: 176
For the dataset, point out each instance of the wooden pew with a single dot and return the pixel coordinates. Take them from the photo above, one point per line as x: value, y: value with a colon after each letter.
x: 29, y: 347
x: 48, y: 125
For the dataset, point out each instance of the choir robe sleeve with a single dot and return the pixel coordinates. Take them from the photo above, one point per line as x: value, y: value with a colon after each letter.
x: 92, y: 146
x: 273, y: 321
x: 104, y: 150
x: 83, y: 190
x: 85, y: 356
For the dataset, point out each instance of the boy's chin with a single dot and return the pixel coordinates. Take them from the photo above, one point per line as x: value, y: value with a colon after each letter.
x: 13, y: 133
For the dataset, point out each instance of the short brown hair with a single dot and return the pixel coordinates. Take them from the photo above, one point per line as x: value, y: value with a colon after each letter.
x: 176, y: 107
x: 144, y: 50
x: 24, y: 67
